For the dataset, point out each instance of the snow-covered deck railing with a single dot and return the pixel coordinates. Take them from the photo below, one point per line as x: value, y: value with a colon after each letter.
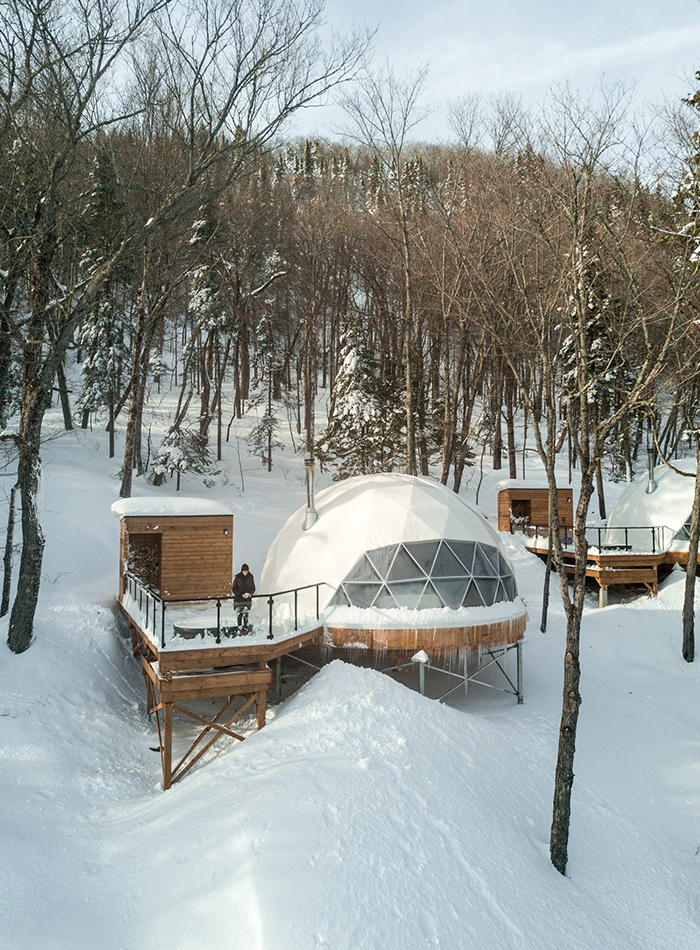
x: 168, y: 622
x: 604, y: 539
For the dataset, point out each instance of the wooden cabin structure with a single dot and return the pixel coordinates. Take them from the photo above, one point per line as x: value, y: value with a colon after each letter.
x: 523, y: 503
x: 175, y: 583
x: 181, y: 549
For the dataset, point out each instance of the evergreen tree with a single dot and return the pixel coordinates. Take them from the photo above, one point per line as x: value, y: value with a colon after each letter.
x: 364, y: 428
x: 100, y: 337
x: 262, y: 438
x: 182, y: 450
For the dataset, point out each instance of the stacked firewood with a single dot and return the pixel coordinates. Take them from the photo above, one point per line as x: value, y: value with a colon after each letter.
x: 144, y: 561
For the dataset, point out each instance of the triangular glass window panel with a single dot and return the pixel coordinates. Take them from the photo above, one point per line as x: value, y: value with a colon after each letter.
x: 684, y: 533
x: 488, y: 587
x: 339, y: 599
x: 465, y: 552
x: 423, y: 552
x: 384, y: 598
x: 452, y: 592
x: 472, y: 597
x: 492, y: 554
x: 404, y: 567
x: 430, y: 598
x: 482, y: 566
x: 504, y: 568
x: 511, y: 589
x: 382, y: 558
x: 407, y: 593
x: 361, y: 595
x: 362, y: 571
x: 446, y: 564
x: 500, y: 593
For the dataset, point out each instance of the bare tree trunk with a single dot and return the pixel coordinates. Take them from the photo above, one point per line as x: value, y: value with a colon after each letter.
x: 21, y: 626
x: 7, y: 560
x: 692, y: 566
x: 63, y: 396
x: 510, y: 427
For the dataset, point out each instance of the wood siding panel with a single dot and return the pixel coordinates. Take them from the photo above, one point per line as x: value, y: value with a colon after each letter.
x: 436, y: 641
x: 539, y: 506
x: 196, y: 554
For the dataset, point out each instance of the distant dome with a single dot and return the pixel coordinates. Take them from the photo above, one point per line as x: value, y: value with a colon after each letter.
x: 667, y: 507
x: 392, y: 541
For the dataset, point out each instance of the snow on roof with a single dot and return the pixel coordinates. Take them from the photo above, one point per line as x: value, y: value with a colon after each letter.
x: 363, y: 513
x: 668, y: 506
x: 507, y: 483
x: 154, y: 507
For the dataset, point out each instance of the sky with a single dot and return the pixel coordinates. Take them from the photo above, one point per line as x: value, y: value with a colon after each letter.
x: 494, y: 46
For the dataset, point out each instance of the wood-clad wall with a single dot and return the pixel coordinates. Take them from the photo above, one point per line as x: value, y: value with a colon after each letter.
x: 436, y: 641
x: 196, y: 553
x: 538, y: 499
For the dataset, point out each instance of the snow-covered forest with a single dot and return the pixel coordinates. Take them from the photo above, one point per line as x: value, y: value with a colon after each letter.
x: 191, y: 301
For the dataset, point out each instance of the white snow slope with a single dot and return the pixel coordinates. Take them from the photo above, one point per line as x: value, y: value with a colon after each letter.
x: 363, y: 816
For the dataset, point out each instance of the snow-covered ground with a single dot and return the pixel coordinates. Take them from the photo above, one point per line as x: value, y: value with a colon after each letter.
x: 363, y: 816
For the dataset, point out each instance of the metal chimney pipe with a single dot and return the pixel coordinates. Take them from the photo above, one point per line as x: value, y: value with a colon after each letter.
x: 651, y: 484
x: 311, y: 513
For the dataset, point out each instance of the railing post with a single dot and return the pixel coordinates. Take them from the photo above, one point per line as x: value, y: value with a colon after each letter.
x: 218, y: 621
x: 318, y: 608
x: 270, y: 634
x: 296, y: 608
x: 627, y: 543
x: 653, y: 540
x: 162, y: 624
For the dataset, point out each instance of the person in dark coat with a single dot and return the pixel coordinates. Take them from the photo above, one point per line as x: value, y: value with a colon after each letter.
x: 243, y: 590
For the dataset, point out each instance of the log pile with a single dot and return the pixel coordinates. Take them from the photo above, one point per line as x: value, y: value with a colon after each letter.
x: 144, y: 559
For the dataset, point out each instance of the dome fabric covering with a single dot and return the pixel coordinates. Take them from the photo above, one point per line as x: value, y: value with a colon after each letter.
x: 372, y: 512
x: 668, y: 507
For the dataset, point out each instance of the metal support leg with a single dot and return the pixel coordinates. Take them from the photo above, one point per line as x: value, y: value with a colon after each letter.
x: 466, y: 673
x: 519, y: 658
x: 278, y: 679
x: 421, y: 678
x: 603, y: 597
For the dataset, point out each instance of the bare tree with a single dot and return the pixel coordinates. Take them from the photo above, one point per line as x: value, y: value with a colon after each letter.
x: 383, y: 112
x: 221, y: 77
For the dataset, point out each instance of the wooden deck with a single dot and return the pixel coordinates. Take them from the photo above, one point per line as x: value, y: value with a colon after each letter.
x: 619, y: 568
x: 237, y: 668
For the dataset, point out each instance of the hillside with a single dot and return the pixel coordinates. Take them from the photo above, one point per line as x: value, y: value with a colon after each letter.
x: 364, y: 815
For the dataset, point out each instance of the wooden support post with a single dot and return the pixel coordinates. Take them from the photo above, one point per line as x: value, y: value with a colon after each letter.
x: 603, y: 597
x: 278, y: 679
x: 261, y: 707
x: 167, y: 745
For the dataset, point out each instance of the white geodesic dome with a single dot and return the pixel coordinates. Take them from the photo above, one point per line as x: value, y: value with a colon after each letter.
x: 667, y: 507
x: 401, y: 521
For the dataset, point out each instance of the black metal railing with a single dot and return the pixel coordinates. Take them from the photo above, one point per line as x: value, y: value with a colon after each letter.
x: 636, y: 538
x: 156, y: 607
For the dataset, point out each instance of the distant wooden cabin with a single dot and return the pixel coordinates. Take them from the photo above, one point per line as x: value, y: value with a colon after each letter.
x: 179, y: 547
x: 523, y: 503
